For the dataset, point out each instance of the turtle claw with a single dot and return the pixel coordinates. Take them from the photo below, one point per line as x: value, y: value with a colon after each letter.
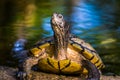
x: 21, y: 75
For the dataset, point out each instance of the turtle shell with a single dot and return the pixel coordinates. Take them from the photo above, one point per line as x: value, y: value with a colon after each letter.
x: 76, y: 51
x: 87, y: 51
x: 65, y: 66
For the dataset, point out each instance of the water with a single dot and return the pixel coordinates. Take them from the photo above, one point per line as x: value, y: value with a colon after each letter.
x: 97, y: 22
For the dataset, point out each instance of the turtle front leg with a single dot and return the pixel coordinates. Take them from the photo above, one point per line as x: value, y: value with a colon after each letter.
x: 93, y: 72
x: 25, y: 69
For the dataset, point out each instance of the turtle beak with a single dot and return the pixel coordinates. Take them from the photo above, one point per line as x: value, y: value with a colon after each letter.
x: 54, y: 15
x: 54, y: 19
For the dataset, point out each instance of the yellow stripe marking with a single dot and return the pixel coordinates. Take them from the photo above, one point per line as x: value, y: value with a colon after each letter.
x: 95, y: 59
x: 77, y: 47
x: 85, y: 71
x: 48, y: 65
x: 36, y: 51
x: 62, y: 66
x: 98, y: 63
x: 87, y: 54
x: 44, y: 45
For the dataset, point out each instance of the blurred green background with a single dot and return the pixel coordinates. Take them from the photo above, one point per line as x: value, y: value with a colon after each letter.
x: 97, y: 22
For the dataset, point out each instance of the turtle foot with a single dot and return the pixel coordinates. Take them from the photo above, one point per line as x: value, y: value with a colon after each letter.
x: 93, y: 72
x: 22, y: 75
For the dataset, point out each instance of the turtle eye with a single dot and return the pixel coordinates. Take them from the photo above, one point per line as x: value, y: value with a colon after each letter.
x: 60, y: 16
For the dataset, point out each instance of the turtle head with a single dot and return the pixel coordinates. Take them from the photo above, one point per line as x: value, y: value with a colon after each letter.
x: 58, y: 23
x: 61, y: 33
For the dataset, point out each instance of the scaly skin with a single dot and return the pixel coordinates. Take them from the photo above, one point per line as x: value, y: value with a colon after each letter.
x: 62, y: 48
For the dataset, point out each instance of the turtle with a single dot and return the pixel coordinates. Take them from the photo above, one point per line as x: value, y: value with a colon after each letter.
x: 63, y: 53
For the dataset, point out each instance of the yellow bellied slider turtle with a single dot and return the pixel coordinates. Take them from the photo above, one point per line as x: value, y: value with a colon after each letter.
x: 63, y: 53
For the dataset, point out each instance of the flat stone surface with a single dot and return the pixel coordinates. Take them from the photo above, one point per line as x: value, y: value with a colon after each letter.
x: 8, y: 73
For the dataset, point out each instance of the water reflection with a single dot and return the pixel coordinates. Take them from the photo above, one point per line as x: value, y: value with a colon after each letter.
x: 85, y: 15
x: 47, y: 26
x: 96, y: 24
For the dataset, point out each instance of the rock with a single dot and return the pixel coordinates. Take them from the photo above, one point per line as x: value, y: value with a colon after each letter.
x: 8, y: 73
